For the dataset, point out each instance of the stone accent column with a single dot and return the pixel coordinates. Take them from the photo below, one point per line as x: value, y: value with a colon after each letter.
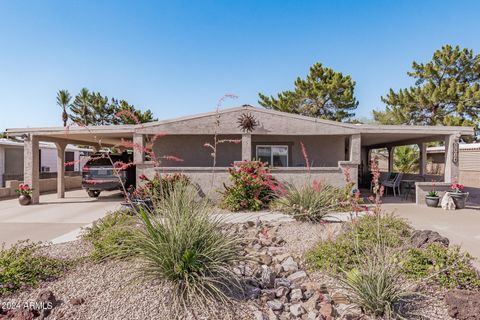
x: 391, y: 156
x: 2, y: 165
x: 452, y: 155
x: 355, y: 148
x: 423, y: 158
x: 247, y: 146
x: 60, y: 169
x: 138, y: 155
x: 31, y: 166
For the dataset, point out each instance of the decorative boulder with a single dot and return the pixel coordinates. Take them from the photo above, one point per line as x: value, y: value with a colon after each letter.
x: 422, y: 238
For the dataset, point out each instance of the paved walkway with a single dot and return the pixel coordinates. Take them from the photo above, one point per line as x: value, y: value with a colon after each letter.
x: 53, y: 219
x: 462, y: 227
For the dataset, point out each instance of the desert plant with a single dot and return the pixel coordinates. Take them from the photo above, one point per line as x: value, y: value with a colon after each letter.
x: 447, y: 267
x: 159, y: 187
x: 22, y: 265
x: 182, y: 244
x: 356, y: 237
x: 108, y: 234
x: 311, y: 203
x: 373, y: 284
x: 252, y: 188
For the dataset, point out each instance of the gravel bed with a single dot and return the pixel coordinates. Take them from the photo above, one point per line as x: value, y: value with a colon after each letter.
x: 302, y: 236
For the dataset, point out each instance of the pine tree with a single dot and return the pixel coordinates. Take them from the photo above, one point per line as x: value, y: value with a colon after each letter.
x: 91, y: 108
x: 325, y: 94
x: 446, y: 92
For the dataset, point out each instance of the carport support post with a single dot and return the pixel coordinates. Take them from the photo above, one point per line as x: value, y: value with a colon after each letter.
x: 391, y: 156
x: 31, y: 166
x: 138, y: 155
x: 247, y: 146
x: 60, y: 169
x: 451, y: 157
x: 423, y: 158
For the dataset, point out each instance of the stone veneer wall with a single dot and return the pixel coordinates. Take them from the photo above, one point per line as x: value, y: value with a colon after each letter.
x: 202, y: 177
x: 46, y: 185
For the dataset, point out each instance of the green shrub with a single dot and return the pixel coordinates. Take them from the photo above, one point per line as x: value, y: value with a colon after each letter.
x: 362, y: 235
x: 184, y: 245
x: 373, y: 284
x: 311, y: 202
x: 21, y: 266
x: 447, y: 267
x: 108, y: 233
x: 252, y: 188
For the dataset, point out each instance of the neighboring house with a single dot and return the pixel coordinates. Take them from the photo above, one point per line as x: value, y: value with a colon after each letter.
x: 332, y: 147
x: 11, y: 160
x: 469, y: 162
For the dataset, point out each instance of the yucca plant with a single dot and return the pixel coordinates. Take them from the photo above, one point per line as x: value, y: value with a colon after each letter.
x: 310, y: 203
x: 182, y: 244
x: 375, y: 283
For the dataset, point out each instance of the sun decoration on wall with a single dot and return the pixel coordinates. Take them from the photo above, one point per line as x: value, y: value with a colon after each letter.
x: 247, y: 122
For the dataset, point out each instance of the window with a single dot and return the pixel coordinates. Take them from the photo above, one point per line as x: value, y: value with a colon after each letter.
x: 276, y: 156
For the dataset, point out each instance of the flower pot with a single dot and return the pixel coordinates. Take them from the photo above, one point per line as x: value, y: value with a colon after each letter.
x: 24, y: 200
x: 459, y: 198
x: 432, y: 201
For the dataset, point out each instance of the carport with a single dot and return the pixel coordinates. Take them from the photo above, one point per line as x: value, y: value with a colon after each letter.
x: 96, y: 137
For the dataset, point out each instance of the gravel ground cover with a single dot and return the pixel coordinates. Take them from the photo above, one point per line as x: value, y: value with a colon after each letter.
x: 109, y: 290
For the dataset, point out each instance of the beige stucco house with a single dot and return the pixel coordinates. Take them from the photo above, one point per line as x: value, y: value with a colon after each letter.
x: 331, y: 146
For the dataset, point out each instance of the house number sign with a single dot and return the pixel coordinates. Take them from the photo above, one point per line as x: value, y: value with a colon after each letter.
x: 455, y: 152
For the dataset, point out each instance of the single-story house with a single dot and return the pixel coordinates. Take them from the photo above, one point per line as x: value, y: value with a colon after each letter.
x: 11, y: 159
x: 275, y: 137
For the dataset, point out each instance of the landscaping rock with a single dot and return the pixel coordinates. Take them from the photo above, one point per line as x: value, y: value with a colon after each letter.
x: 326, y: 310
x: 252, y: 292
x: 422, y: 238
x: 282, y: 282
x: 48, y: 301
x: 289, y: 265
x: 297, y: 310
x: 275, y: 305
x: 463, y: 304
x: 312, y: 302
x: 312, y: 315
x: 282, y: 292
x: 77, y: 301
x: 296, y: 295
x: 297, y: 277
x: 340, y: 298
x: 265, y: 259
x: 267, y: 279
x: 258, y: 315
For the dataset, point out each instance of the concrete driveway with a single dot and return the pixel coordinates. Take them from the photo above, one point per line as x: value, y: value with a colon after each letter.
x: 53, y: 219
x: 462, y: 227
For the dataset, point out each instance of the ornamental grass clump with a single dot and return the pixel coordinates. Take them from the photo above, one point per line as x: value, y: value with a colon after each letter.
x: 22, y: 265
x: 183, y: 245
x: 374, y: 284
x: 311, y: 203
x: 252, y: 188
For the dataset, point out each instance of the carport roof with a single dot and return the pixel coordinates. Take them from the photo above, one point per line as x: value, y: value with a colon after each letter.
x: 272, y: 122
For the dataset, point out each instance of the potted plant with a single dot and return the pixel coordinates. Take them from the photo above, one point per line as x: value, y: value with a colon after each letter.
x: 25, y: 192
x: 458, y: 196
x: 432, y: 199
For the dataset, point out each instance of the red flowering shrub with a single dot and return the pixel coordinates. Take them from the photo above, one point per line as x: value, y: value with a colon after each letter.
x: 159, y: 186
x: 253, y: 187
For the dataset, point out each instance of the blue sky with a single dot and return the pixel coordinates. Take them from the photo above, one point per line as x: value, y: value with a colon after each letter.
x: 180, y: 57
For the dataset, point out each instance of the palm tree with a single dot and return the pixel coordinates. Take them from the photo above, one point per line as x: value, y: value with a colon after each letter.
x: 63, y: 100
x: 406, y: 159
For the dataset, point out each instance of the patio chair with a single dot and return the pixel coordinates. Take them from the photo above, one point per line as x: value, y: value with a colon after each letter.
x: 383, y: 178
x: 394, y: 184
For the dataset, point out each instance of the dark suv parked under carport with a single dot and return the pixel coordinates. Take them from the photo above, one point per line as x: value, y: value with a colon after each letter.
x: 98, y: 173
